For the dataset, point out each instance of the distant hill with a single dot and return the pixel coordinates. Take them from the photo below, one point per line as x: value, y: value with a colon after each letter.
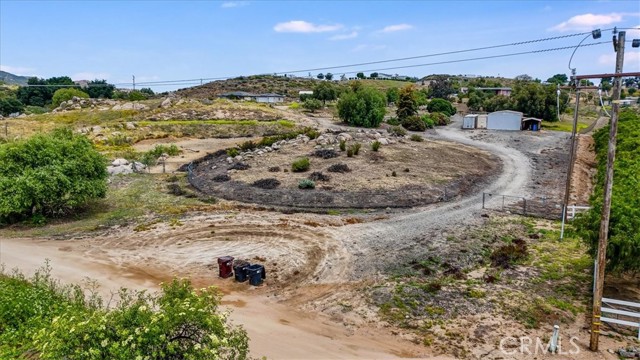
x: 11, y: 79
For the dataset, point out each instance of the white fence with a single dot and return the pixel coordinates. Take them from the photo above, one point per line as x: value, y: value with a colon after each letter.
x: 572, y: 210
x: 625, y: 313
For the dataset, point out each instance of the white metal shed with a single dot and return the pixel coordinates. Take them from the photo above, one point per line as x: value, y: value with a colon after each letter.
x: 469, y: 121
x: 504, y: 120
x: 481, y: 122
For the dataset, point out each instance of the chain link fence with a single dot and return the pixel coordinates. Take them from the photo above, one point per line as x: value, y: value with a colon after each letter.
x: 536, y: 207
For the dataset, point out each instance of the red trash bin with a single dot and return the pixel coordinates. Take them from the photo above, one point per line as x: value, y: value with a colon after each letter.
x: 225, y: 265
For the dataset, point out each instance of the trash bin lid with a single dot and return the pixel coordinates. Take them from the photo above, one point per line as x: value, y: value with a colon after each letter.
x: 224, y: 259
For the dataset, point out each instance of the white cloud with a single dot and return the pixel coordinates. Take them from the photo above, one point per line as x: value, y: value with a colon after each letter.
x: 397, y: 27
x: 89, y: 76
x: 18, y: 70
x: 634, y: 33
x: 631, y: 58
x: 300, y: 26
x: 351, y: 35
x: 233, y: 4
x: 590, y: 21
x: 363, y: 47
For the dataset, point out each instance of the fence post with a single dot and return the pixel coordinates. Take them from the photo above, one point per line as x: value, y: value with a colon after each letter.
x: 502, y: 202
x: 483, y: 194
x: 524, y: 205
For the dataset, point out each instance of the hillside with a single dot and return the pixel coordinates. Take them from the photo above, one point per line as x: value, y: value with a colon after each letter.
x: 12, y: 79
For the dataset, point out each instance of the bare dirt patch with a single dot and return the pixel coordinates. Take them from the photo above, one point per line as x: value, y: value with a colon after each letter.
x: 400, y: 174
x: 584, y: 170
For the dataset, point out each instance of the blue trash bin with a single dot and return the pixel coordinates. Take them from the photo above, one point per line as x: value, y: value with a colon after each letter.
x: 240, y: 270
x: 256, y: 274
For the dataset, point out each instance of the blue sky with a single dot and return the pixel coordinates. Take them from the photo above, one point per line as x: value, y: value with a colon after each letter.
x: 171, y: 40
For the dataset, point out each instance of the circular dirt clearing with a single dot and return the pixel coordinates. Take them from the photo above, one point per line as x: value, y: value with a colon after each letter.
x: 401, y: 173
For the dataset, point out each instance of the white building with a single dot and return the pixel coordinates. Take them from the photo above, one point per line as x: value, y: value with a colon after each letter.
x: 504, y: 120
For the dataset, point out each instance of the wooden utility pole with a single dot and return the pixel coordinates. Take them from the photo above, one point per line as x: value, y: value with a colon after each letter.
x: 608, y: 186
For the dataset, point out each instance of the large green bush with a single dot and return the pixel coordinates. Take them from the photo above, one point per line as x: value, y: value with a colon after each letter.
x: 10, y: 105
x: 414, y: 123
x: 441, y: 105
x: 67, y: 94
x: 623, y: 251
x: 49, y: 174
x: 49, y: 321
x: 364, y: 107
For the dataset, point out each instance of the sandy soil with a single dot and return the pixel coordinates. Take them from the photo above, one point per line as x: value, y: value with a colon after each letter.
x: 584, y: 170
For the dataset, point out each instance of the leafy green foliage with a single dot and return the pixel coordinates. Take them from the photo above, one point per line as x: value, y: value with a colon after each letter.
x: 364, y: 107
x: 393, y: 94
x: 414, y: 123
x: 67, y: 94
x: 10, y: 105
x: 538, y: 100
x: 306, y: 184
x: 58, y: 322
x: 343, y: 145
x: 440, y: 119
x: 49, y: 174
x: 441, y: 88
x: 375, y: 146
x: 441, y: 105
x: 312, y: 104
x: 300, y: 165
x: 623, y: 249
x: 429, y: 123
x: 100, y: 89
x: 397, y: 131
x: 417, y: 138
x: 137, y: 95
x: 407, y: 104
x: 355, y: 148
x: 325, y: 91
x: 559, y: 79
x: 42, y: 95
x: 233, y: 152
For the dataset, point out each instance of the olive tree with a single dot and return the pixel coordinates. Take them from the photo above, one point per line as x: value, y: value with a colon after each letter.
x: 365, y: 107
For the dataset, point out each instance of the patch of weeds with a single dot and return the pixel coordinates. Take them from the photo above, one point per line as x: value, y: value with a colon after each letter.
x: 434, y: 310
x: 318, y: 176
x: 507, y: 255
x: 300, y: 165
x: 397, y: 131
x: 269, y: 183
x: 333, y: 212
x: 355, y: 148
x: 176, y: 189
x: 175, y: 223
x: 306, y: 184
x: 240, y: 166
x: 350, y: 152
x: 325, y: 153
x: 172, y: 179
x: 343, y: 145
x: 475, y: 293
x: 145, y: 226
x: 339, y: 168
x: 312, y: 133
x: 417, y: 138
x: 248, y: 145
x: 274, y: 169
x: 563, y: 305
x: 221, y: 178
x: 233, y: 152
x: 375, y: 146
x: 393, y: 121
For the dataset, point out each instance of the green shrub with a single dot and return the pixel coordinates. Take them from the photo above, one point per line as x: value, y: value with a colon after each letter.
x: 67, y: 94
x: 393, y: 121
x: 300, y: 165
x: 375, y: 146
x: 397, y: 131
x: 233, y: 152
x: 53, y: 321
x: 428, y: 122
x: 11, y: 105
x: 343, y: 145
x: 294, y: 106
x: 37, y: 110
x: 440, y: 119
x: 312, y: 133
x: 171, y: 150
x: 441, y: 105
x: 312, y: 104
x: 306, y: 184
x: 365, y: 107
x: 350, y: 152
x: 414, y: 123
x: 355, y: 148
x: 49, y: 174
x: 136, y: 95
x: 416, y: 137
x: 248, y: 145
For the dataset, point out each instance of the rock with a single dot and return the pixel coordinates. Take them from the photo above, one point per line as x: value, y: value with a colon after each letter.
x: 275, y: 147
x: 130, y: 106
x: 383, y: 141
x: 230, y: 160
x: 116, y: 170
x: 238, y: 158
x: 14, y: 115
x: 22, y: 116
x: 130, y: 126
x: 120, y: 161
x: 260, y: 152
x: 268, y: 149
x: 166, y: 103
x: 138, y: 166
x: 96, y: 129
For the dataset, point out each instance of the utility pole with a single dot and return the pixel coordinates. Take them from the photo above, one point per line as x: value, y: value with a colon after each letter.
x: 134, y: 82
x: 608, y: 186
x: 572, y: 152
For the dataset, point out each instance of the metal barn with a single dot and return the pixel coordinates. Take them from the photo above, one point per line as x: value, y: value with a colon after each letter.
x: 481, y: 122
x: 469, y: 121
x: 504, y: 120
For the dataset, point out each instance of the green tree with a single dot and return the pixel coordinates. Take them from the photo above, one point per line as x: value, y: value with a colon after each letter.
x: 559, y: 79
x: 441, y: 88
x: 312, y: 104
x: 365, y: 107
x: 49, y: 174
x: 475, y: 101
x: 497, y: 103
x: 325, y: 91
x: 100, y: 89
x: 329, y: 76
x: 148, y: 92
x: 41, y: 91
x: 10, y: 105
x: 320, y: 76
x: 441, y: 105
x: 360, y: 75
x: 373, y: 75
x: 67, y: 94
x: 632, y: 91
x: 605, y: 84
x: 136, y: 95
x: 407, y: 105
x: 393, y: 94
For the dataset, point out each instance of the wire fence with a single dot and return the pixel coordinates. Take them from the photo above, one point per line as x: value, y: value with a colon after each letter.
x: 535, y: 207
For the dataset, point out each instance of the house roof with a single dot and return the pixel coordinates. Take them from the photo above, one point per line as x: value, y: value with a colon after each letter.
x: 494, y: 88
x: 531, y: 119
x: 508, y: 111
